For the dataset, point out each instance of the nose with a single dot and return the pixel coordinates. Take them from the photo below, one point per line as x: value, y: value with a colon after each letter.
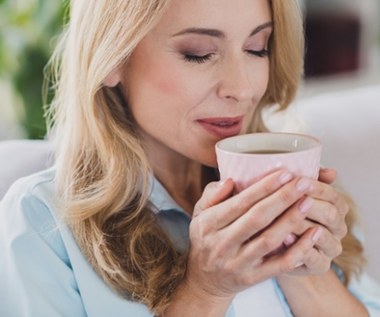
x: 235, y: 81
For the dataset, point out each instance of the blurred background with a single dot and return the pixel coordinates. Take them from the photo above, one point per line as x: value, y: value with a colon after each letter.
x: 28, y: 32
x: 343, y: 51
x: 343, y: 44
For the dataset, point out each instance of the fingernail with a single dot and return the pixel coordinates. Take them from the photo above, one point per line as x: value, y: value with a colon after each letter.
x: 285, y: 177
x: 290, y: 239
x: 306, y: 205
x: 221, y: 183
x: 298, y: 264
x: 303, y: 184
x: 317, y: 235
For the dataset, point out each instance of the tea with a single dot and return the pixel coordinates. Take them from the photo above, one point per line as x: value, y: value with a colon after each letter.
x: 267, y: 152
x: 298, y: 153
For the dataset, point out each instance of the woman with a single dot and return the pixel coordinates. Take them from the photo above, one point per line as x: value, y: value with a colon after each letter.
x: 132, y: 220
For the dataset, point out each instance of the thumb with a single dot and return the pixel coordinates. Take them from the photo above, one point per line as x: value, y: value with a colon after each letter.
x: 213, y: 194
x: 327, y: 175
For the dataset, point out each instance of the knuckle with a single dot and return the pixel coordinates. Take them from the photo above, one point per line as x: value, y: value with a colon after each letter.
x: 344, y: 230
x: 313, y: 261
x: 339, y: 249
x: 346, y: 208
x: 229, y: 268
x: 318, y: 189
x: 241, y: 202
x: 317, y: 263
x: 257, y: 219
x: 198, y: 207
x: 269, y: 188
x: 295, y: 218
x: 341, y: 230
x: 336, y: 197
x: 324, y: 266
x: 286, y: 197
x: 269, y: 241
x: 331, y: 214
x: 288, y: 264
x: 200, y: 229
x: 220, y: 249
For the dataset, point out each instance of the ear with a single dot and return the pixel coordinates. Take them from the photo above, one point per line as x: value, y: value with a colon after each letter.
x: 112, y: 79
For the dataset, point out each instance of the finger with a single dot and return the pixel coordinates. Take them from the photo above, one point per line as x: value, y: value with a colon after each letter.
x: 268, y: 267
x: 294, y: 258
x: 231, y: 209
x: 214, y: 193
x: 327, y: 175
x: 290, y: 239
x: 297, y: 256
x: 328, y: 245
x: 303, y: 226
x: 265, y: 212
x: 273, y: 236
x: 315, y: 263
x: 328, y: 193
x: 326, y: 214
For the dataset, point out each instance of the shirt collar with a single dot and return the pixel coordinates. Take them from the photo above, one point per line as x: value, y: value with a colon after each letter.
x: 160, y: 198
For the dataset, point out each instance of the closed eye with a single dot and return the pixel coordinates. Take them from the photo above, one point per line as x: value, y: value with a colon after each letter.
x: 197, y: 58
x: 261, y: 53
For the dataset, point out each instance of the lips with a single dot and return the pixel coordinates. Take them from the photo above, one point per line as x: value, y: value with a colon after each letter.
x: 222, y: 127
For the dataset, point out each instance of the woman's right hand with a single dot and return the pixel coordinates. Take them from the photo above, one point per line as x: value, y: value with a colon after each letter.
x: 231, y: 235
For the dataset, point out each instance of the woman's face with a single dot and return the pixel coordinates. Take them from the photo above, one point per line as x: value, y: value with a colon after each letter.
x: 198, y: 76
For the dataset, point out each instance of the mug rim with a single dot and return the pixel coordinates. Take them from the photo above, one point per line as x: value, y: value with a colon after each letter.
x: 316, y: 143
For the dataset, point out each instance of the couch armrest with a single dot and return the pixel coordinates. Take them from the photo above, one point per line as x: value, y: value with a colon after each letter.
x: 20, y: 158
x: 348, y: 124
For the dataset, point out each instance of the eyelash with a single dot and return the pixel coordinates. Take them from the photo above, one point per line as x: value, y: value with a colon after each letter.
x: 202, y: 59
x: 197, y: 59
x: 262, y: 53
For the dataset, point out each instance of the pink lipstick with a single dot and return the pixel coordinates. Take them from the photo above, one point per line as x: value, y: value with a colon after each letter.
x: 222, y: 127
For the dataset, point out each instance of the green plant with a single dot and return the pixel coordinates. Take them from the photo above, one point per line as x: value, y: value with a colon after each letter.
x: 27, y: 32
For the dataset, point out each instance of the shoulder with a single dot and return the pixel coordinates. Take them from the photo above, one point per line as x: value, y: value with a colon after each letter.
x: 28, y: 197
x: 35, y: 184
x: 27, y: 212
x: 35, y: 268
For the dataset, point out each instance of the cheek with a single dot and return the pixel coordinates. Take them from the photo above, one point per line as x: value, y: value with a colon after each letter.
x: 173, y: 87
x: 164, y: 80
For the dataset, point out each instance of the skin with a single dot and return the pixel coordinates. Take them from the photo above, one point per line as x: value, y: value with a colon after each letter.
x: 180, y: 76
x: 182, y: 92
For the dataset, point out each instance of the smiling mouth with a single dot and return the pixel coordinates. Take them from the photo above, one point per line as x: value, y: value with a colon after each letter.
x: 222, y: 127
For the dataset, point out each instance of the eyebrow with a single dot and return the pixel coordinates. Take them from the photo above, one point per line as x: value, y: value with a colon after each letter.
x: 218, y: 33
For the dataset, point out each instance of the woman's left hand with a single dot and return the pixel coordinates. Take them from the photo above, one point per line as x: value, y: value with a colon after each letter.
x: 328, y: 212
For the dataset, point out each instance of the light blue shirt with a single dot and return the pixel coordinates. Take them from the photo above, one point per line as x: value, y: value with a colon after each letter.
x: 43, y: 272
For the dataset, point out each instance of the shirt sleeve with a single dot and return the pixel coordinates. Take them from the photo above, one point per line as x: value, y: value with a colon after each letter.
x: 367, y: 290
x: 35, y: 272
x: 364, y: 287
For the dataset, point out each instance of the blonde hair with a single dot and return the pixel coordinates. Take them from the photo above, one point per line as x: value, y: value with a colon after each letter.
x: 102, y: 170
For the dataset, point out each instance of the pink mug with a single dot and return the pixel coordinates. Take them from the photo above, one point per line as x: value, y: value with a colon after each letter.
x: 248, y: 158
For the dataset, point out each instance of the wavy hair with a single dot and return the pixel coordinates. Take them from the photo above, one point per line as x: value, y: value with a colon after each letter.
x: 102, y: 170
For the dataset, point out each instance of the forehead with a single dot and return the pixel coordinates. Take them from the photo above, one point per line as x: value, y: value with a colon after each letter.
x: 215, y: 14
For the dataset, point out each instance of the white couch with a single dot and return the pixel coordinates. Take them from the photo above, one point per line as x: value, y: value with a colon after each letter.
x: 348, y: 124
x: 22, y: 157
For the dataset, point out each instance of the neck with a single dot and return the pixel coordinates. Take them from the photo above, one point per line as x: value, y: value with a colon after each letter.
x: 184, y: 179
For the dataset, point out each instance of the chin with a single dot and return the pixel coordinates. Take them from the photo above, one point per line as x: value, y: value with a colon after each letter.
x: 210, y: 161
